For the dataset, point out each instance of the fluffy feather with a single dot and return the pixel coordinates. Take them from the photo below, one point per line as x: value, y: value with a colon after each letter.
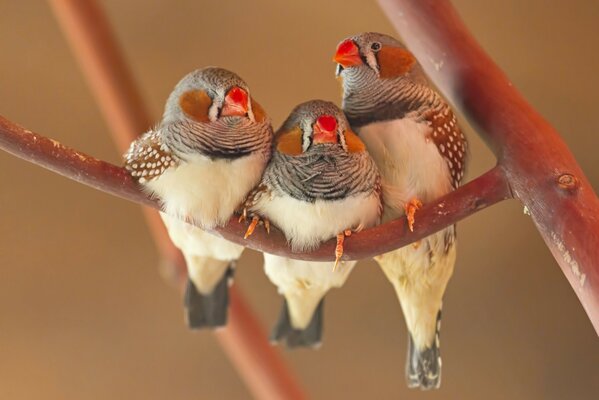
x: 207, y: 191
x: 306, y: 225
x: 409, y: 162
x: 208, y: 152
x: 304, y: 283
x: 412, y: 167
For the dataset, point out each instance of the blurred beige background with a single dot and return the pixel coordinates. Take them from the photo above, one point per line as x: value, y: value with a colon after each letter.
x: 84, y: 313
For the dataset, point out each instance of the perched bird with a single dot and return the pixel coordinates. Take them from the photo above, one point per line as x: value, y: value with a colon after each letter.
x: 207, y: 153
x: 320, y: 184
x: 414, y: 138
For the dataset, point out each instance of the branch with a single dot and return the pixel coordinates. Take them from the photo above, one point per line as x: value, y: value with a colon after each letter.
x: 484, y: 191
x: 542, y: 172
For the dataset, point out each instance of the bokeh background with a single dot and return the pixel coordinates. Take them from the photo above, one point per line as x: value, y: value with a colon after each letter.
x: 84, y: 313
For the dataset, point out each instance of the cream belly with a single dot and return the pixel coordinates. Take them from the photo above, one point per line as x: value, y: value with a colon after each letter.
x: 410, y: 163
x: 304, y: 283
x: 306, y: 225
x: 207, y: 256
x: 207, y: 191
x: 412, y: 167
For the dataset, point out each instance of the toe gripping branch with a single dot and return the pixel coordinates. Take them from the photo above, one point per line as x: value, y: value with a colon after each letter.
x: 255, y: 221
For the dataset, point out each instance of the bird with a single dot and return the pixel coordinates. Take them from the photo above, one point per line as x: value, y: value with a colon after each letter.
x: 414, y: 138
x: 208, y: 151
x: 320, y: 184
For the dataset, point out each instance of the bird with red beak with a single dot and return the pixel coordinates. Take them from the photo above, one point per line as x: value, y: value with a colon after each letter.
x: 414, y: 137
x: 320, y: 184
x: 207, y: 153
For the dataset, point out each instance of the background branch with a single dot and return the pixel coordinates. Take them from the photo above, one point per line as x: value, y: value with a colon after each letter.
x: 259, y: 364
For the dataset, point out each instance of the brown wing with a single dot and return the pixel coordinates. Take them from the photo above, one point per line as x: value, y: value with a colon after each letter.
x: 253, y: 197
x: 451, y: 142
x: 147, y: 158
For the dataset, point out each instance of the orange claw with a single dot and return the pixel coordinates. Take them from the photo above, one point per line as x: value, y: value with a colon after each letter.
x: 255, y: 221
x: 339, y: 249
x: 243, y: 216
x: 252, y: 227
x: 411, y: 207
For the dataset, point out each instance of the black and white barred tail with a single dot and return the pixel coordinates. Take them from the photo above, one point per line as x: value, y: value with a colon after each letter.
x: 423, y: 367
x: 311, y: 336
x: 208, y: 311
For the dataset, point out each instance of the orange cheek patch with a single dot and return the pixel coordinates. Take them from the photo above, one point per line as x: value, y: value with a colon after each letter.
x: 290, y: 142
x: 394, y: 62
x: 196, y: 104
x: 259, y: 114
x: 353, y: 142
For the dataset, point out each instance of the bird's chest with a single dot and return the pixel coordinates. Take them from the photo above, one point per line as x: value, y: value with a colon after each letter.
x: 307, y: 224
x: 208, y: 191
x: 408, y: 160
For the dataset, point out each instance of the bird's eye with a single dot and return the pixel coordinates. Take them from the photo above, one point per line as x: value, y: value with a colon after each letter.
x: 376, y: 46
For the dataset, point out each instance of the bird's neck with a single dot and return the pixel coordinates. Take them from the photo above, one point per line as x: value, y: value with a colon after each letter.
x: 368, y: 99
x: 325, y: 172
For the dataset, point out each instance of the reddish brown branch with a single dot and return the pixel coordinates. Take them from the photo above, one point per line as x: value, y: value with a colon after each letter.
x: 541, y: 170
x: 472, y: 197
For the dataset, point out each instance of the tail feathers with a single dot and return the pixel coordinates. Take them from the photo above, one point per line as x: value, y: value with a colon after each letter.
x: 423, y: 369
x: 311, y: 336
x: 208, y: 311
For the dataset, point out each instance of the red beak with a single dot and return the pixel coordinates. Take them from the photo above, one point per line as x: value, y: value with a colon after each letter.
x: 325, y: 130
x: 236, y: 103
x: 348, y: 54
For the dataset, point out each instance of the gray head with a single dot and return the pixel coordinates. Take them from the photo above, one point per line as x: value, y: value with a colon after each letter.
x: 381, y: 79
x: 210, y: 93
x: 315, y: 123
x: 375, y: 55
x: 318, y: 157
x: 211, y: 112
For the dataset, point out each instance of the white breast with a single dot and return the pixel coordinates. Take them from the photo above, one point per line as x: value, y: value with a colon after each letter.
x: 207, y: 191
x: 196, y: 242
x: 306, y: 224
x: 304, y: 283
x: 409, y: 161
x: 297, y: 276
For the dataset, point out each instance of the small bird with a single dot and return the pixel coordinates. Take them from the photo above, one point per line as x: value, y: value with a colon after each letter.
x: 207, y: 153
x: 420, y: 150
x: 320, y: 184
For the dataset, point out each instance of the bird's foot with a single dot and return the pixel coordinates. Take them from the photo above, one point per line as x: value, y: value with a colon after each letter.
x: 339, y: 248
x: 411, y: 207
x: 256, y: 220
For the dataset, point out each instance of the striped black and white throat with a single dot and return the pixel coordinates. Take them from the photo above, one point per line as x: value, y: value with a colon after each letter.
x: 324, y: 172
x: 368, y: 99
x: 226, y: 138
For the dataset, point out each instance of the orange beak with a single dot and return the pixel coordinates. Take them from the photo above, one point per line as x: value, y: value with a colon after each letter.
x: 348, y: 54
x: 325, y: 130
x: 236, y: 103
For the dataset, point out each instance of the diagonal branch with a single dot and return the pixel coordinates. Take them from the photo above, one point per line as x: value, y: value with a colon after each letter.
x: 484, y: 191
